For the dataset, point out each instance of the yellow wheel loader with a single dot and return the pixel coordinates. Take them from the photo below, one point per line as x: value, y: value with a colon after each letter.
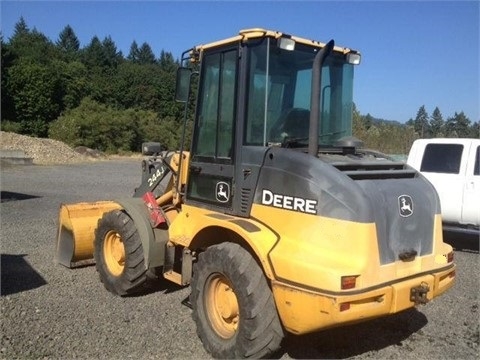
x: 277, y: 217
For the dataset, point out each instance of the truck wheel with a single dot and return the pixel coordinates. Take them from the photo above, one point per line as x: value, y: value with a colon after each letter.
x: 233, y: 306
x: 119, y: 254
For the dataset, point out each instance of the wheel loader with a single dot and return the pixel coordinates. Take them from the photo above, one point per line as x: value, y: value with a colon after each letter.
x: 277, y: 218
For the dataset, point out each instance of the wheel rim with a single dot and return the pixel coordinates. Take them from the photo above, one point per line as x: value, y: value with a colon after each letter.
x: 114, y: 253
x: 221, y: 305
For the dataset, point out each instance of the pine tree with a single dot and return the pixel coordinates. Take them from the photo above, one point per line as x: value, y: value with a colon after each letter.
x: 421, y: 124
x: 167, y: 61
x: 462, y: 124
x: 111, y: 55
x: 133, y: 54
x: 145, y: 54
x: 21, y: 28
x: 68, y: 42
x: 437, y: 124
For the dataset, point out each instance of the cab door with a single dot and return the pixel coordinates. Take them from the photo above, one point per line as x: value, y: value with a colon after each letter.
x: 211, y: 173
x: 471, y: 195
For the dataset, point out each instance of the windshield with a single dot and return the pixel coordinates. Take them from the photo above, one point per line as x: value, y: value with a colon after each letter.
x: 278, y: 106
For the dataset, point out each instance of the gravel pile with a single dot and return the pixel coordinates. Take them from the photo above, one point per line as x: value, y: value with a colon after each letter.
x: 42, y: 151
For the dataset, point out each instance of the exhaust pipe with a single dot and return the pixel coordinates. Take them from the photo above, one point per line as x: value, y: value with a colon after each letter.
x: 315, y: 101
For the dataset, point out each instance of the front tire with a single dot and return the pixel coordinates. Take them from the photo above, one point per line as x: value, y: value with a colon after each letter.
x: 118, y: 254
x: 233, y: 306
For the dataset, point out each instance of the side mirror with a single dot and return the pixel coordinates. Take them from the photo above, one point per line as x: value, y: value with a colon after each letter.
x: 183, y: 84
x: 151, y: 148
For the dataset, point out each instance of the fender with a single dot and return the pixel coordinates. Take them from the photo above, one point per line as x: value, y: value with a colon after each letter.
x: 153, y: 240
x: 192, y: 220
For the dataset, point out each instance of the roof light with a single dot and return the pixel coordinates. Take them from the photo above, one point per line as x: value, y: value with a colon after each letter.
x: 353, y: 58
x: 286, y: 44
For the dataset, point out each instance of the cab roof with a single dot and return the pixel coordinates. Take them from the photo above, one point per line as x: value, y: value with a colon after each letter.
x: 255, y: 33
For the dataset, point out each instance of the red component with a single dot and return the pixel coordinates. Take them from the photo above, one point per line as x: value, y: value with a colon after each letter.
x: 156, y: 215
x: 344, y: 306
x: 348, y: 282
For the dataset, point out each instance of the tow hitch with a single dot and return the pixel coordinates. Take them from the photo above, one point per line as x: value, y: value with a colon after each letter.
x: 418, y: 294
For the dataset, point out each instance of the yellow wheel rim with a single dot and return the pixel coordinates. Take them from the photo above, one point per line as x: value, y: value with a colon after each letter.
x: 114, y: 253
x: 222, y: 306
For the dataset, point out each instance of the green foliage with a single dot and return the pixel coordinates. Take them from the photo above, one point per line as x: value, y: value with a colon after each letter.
x: 73, y: 83
x: 97, y: 126
x: 437, y: 124
x: 31, y: 45
x: 68, y: 44
x: 34, y: 89
x: 421, y: 124
x: 137, y: 86
x: 10, y: 126
x: 145, y: 55
x: 387, y: 137
x: 104, y: 128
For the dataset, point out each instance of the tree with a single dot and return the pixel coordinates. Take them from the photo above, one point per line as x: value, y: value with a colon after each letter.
x: 368, y: 121
x: 7, y: 107
x: 167, y: 62
x: 111, y: 55
x: 34, y: 89
x: 21, y: 28
x: 73, y: 83
x: 68, y: 43
x: 133, y: 54
x: 458, y: 126
x: 145, y: 55
x: 437, y: 124
x: 421, y: 124
x: 96, y: 126
x: 137, y: 86
x: 475, y: 130
x: 93, y: 55
x: 31, y: 44
x: 462, y: 124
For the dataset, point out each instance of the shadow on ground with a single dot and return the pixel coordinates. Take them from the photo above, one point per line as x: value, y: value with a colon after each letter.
x: 349, y: 341
x: 13, y: 196
x: 462, y: 242
x: 17, y: 275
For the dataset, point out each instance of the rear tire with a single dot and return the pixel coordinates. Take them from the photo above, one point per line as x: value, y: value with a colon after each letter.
x: 118, y: 254
x: 233, y: 305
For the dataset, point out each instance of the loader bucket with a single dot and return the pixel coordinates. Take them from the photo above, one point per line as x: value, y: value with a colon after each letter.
x: 76, y: 230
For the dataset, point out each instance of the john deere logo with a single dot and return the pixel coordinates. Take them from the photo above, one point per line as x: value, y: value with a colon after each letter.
x: 223, y: 192
x: 405, y: 205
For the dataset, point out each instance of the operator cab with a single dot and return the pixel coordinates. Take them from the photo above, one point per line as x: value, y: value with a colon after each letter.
x: 255, y: 91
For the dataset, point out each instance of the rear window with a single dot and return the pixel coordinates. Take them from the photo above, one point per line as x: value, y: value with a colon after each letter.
x: 442, y: 158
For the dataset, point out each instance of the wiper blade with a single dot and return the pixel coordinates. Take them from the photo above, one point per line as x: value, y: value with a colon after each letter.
x: 290, y: 142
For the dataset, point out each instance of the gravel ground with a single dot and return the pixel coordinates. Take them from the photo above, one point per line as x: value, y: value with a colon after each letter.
x: 51, y: 312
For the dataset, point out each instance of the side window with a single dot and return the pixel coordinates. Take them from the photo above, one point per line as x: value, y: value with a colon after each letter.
x: 442, y: 158
x: 215, y: 128
x: 476, y: 170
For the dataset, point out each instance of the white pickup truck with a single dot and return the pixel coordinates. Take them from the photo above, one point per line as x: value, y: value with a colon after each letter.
x: 453, y: 168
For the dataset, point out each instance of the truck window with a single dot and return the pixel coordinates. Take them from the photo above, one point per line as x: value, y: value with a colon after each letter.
x: 476, y: 170
x: 442, y: 158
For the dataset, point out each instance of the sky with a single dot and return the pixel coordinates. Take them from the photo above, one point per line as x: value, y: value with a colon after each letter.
x: 414, y: 53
